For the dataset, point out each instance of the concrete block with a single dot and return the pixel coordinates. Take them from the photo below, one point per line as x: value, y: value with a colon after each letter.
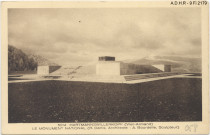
x: 108, y: 68
x: 167, y: 68
x: 46, y: 70
x: 43, y: 70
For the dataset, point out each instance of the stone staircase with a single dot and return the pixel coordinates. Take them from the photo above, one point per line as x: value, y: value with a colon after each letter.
x: 146, y: 76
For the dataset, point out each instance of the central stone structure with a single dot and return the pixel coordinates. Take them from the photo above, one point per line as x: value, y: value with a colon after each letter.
x: 107, y: 66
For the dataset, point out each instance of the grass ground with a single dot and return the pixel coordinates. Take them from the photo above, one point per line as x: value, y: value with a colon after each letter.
x: 177, y: 99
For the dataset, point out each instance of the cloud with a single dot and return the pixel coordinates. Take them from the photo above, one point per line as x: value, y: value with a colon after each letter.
x: 72, y: 36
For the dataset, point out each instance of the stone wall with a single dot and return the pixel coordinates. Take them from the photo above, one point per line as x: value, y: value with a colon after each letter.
x: 128, y: 68
x: 108, y: 68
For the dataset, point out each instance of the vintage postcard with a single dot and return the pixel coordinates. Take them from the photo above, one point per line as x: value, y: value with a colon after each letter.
x: 105, y: 67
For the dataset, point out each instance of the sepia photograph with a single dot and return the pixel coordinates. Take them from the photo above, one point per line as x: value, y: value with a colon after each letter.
x: 108, y: 64
x: 104, y: 65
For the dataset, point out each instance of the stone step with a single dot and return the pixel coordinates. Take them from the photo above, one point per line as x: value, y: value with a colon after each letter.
x: 138, y: 77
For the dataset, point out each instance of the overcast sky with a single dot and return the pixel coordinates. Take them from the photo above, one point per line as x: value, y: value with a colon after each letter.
x: 77, y: 36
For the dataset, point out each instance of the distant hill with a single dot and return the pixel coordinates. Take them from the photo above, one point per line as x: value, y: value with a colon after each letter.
x: 19, y: 61
x: 41, y: 60
x: 179, y: 64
